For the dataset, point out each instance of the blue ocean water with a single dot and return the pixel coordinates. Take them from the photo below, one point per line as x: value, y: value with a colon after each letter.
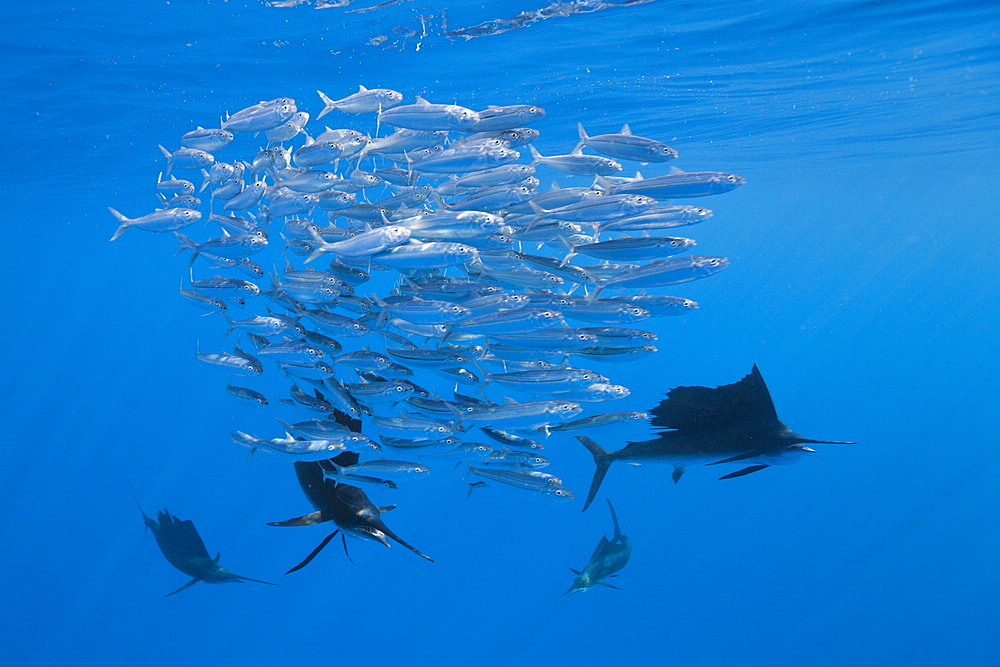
x: 863, y: 282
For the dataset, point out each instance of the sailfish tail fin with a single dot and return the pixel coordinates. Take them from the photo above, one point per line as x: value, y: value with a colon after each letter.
x: 602, y: 459
x: 614, y: 518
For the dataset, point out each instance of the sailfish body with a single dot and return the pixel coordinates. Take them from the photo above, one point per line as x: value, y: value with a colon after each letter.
x: 728, y: 424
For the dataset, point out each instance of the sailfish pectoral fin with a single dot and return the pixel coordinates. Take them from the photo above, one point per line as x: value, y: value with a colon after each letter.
x: 807, y: 441
x: 256, y: 581
x: 187, y: 585
x: 306, y: 520
x: 734, y: 459
x: 607, y: 585
x: 745, y: 471
x: 343, y: 538
x: 314, y: 552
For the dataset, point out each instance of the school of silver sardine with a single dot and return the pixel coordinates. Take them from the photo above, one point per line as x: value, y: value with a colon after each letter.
x: 426, y: 279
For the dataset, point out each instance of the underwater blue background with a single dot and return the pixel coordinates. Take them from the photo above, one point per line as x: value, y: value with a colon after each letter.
x: 864, y: 282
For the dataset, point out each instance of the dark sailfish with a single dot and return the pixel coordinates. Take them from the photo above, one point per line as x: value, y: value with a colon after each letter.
x: 734, y: 423
x: 183, y: 548
x: 608, y: 558
x: 347, y: 506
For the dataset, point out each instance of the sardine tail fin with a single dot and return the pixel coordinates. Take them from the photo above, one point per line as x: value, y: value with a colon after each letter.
x: 118, y: 215
x: 186, y: 243
x: 320, y: 243
x: 170, y: 167
x: 330, y: 105
x: 125, y: 223
x: 121, y: 230
x: 602, y: 459
x: 536, y: 157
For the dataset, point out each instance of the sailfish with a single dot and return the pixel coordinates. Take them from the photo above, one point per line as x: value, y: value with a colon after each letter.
x: 347, y: 506
x: 608, y: 558
x: 733, y: 423
x: 183, y: 548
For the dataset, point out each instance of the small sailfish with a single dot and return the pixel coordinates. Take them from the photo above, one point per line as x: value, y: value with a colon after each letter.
x: 728, y: 424
x: 183, y: 548
x: 608, y: 558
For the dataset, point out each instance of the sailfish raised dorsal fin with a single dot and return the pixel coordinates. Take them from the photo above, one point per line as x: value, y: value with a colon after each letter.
x: 741, y: 404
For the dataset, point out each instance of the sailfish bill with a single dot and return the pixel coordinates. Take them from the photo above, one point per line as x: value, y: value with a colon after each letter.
x: 726, y: 424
